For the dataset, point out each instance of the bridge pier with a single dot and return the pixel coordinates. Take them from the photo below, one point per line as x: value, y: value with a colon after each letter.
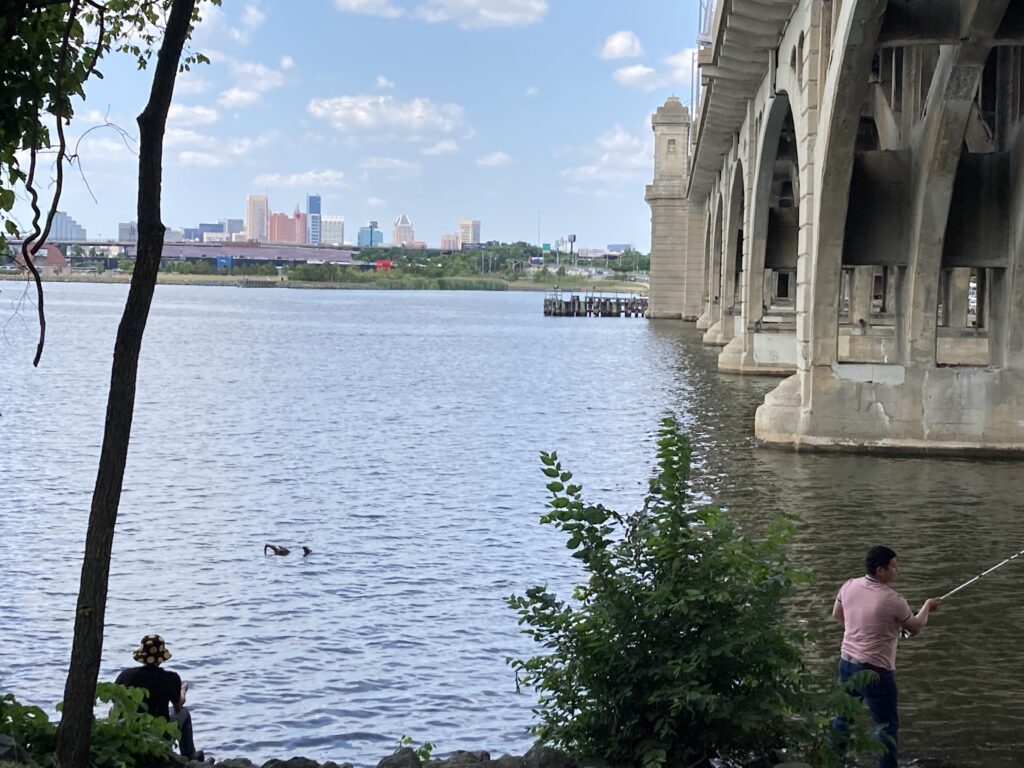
x: 860, y: 166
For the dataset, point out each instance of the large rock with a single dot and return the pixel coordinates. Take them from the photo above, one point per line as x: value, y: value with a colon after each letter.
x: 462, y: 757
x: 235, y: 762
x: 547, y: 757
x: 292, y: 762
x: 10, y: 752
x: 508, y: 761
x: 406, y: 757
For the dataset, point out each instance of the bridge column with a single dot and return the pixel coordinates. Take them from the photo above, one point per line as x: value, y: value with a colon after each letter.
x: 671, y: 246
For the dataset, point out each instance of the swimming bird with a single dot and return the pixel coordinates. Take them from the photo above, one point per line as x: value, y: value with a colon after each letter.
x: 275, y: 549
x: 306, y: 550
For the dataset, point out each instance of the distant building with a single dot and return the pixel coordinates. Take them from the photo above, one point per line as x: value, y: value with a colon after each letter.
x: 332, y: 230
x: 66, y: 228
x: 619, y: 247
x: 173, y: 235
x: 449, y: 242
x: 257, y: 217
x: 402, y: 232
x: 127, y: 232
x: 288, y: 229
x: 313, y: 221
x: 49, y: 260
x: 363, y: 241
x: 232, y: 226
x: 420, y: 245
x: 469, y: 232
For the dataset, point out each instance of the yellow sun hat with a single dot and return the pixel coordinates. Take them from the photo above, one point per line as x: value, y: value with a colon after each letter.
x: 152, y: 650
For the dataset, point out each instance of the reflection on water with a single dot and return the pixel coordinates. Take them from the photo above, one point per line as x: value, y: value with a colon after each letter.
x: 397, y: 435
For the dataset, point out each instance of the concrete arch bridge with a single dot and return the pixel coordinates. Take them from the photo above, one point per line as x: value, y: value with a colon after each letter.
x: 846, y: 209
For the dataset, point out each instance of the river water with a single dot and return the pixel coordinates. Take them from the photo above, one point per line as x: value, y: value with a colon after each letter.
x: 397, y: 433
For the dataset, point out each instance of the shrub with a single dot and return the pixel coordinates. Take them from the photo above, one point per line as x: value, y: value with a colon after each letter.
x: 127, y: 737
x: 675, y: 647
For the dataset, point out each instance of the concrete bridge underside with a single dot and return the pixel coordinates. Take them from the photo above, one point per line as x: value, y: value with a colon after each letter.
x: 850, y: 215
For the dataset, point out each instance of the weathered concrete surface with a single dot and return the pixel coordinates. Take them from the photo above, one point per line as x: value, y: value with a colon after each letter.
x: 860, y: 169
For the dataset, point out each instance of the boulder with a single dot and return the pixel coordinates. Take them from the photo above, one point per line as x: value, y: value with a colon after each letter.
x: 462, y: 757
x: 405, y: 757
x: 547, y: 757
x: 236, y: 762
x: 10, y: 752
x: 292, y: 762
x: 508, y: 761
x: 332, y: 764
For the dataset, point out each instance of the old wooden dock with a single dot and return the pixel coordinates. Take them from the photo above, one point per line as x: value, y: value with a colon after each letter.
x: 593, y: 304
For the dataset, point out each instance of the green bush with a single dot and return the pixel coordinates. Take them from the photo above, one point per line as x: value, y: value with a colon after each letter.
x: 675, y: 647
x: 127, y: 737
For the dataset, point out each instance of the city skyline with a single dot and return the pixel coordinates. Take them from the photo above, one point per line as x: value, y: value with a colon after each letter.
x: 528, y: 115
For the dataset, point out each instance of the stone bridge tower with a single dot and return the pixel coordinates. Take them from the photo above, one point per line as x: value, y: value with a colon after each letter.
x: 675, y: 279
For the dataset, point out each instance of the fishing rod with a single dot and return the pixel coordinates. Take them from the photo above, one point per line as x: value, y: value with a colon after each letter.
x: 983, y: 573
x: 906, y: 634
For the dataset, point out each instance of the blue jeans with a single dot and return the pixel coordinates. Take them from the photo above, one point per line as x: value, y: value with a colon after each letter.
x: 883, y: 704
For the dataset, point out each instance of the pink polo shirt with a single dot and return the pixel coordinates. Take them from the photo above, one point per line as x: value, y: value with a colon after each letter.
x: 872, y: 616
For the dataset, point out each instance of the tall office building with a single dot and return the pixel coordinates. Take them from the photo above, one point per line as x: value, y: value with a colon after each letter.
x: 469, y: 232
x: 288, y: 229
x: 65, y: 228
x: 449, y: 242
x: 127, y: 232
x: 363, y: 241
x: 232, y: 226
x: 313, y: 219
x: 401, y: 233
x: 332, y: 230
x: 257, y: 217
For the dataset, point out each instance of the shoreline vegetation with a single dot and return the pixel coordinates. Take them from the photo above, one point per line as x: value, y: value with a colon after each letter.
x: 379, y: 282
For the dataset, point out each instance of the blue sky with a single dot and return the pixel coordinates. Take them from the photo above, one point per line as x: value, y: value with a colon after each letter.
x: 440, y: 109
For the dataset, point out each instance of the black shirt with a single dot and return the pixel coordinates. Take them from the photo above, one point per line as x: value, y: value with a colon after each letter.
x: 163, y: 686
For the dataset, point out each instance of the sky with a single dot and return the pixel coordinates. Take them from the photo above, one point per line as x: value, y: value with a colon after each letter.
x: 514, y: 112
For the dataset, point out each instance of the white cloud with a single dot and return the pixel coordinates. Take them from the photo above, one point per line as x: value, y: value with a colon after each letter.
x: 639, y: 76
x: 532, y: 90
x: 678, y: 70
x: 179, y: 114
x: 308, y: 179
x: 257, y: 76
x: 468, y: 14
x: 376, y: 202
x: 202, y: 159
x: 622, y: 45
x: 391, y: 168
x: 494, y: 159
x: 616, y: 158
x: 383, y: 82
x: 385, y: 114
x: 178, y: 137
x: 210, y: 152
x: 371, y: 8
x: 286, y: 63
x: 189, y: 84
x: 238, y: 97
x: 481, y: 14
x: 443, y: 147
x: 252, y: 17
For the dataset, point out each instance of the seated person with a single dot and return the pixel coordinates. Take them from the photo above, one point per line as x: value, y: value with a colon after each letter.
x: 163, y: 688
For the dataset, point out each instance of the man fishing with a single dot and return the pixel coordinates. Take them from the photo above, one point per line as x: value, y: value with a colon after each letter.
x: 872, y: 613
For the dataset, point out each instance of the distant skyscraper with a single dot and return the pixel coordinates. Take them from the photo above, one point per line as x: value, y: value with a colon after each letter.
x: 287, y: 229
x: 65, y: 228
x: 469, y: 232
x: 257, y: 217
x: 127, y: 232
x: 332, y: 230
x: 364, y: 237
x: 232, y: 226
x: 449, y: 242
x: 313, y: 219
x: 402, y: 232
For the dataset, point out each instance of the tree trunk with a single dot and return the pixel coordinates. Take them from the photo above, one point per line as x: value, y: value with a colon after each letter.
x: 74, y: 733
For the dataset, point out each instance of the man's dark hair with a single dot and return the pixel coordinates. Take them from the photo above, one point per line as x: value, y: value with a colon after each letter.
x: 877, y: 557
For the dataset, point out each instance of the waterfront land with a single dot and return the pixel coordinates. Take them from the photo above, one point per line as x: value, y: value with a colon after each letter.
x: 383, y: 282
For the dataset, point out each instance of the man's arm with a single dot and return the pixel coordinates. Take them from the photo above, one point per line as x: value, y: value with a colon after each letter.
x: 916, y: 623
x: 838, y: 615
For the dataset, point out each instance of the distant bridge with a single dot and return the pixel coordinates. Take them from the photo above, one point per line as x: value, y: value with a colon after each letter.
x: 247, y: 251
x: 846, y: 208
